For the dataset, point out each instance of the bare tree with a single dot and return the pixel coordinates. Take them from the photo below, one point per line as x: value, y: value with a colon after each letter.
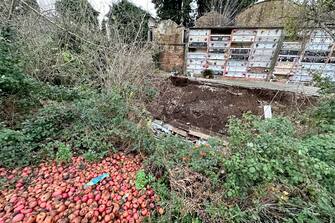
x: 226, y: 10
x: 59, y: 50
x: 318, y: 13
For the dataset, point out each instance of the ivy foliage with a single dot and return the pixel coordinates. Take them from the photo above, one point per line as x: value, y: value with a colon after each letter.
x: 12, y: 79
x: 125, y: 17
x: 77, y: 11
x: 176, y: 10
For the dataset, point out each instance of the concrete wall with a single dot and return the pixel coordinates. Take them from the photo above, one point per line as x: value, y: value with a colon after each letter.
x: 260, y: 53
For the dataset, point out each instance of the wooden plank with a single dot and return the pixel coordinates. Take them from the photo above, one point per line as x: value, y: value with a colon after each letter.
x: 199, y: 134
x: 179, y: 132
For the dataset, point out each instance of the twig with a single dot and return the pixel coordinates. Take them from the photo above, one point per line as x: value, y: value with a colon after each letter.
x: 58, y: 26
x: 11, y: 9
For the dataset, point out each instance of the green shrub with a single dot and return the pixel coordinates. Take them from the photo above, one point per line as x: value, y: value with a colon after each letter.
x: 15, y: 149
x: 49, y: 122
x: 275, y: 156
x: 264, y: 172
x: 167, y: 151
x: 64, y: 153
x: 93, y: 156
x: 207, y: 160
x: 238, y: 131
x: 12, y: 78
x: 324, y: 114
x: 142, y: 179
x: 93, y: 123
x: 321, y: 147
x: 208, y: 74
x: 324, y: 83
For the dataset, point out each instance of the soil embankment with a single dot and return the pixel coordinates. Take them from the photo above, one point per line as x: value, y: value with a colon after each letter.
x: 209, y: 108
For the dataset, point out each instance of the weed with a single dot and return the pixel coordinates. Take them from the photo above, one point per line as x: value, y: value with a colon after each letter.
x: 142, y: 179
x: 93, y: 156
x: 208, y: 74
x: 3, y: 183
x: 64, y: 153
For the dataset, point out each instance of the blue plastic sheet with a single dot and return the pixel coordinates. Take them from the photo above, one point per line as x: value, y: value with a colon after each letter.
x: 96, y: 180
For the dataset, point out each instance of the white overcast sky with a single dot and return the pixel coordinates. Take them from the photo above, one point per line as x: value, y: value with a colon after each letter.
x: 147, y: 5
x: 101, y: 5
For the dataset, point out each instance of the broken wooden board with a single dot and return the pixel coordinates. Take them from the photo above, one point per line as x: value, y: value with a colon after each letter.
x: 180, y: 129
x: 187, y: 128
x: 179, y: 132
x: 199, y: 134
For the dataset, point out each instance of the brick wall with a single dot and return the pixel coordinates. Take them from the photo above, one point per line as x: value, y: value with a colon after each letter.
x: 171, y: 58
x: 170, y: 38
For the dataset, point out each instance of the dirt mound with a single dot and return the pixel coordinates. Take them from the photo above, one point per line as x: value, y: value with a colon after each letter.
x: 210, y: 108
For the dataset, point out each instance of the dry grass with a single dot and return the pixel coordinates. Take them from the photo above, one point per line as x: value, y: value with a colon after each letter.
x: 60, y: 51
x: 194, y: 190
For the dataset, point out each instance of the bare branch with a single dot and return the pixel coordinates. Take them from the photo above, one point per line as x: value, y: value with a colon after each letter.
x: 57, y: 25
x: 11, y: 9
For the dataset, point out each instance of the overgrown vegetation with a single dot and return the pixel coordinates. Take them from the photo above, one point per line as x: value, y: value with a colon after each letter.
x: 63, y: 95
x: 142, y: 180
x: 186, y: 11
x: 93, y: 156
x: 267, y: 173
x: 270, y: 171
x: 60, y: 89
x: 64, y: 153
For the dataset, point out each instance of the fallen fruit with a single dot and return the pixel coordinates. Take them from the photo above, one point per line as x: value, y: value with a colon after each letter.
x: 55, y: 193
x: 161, y: 211
x: 18, y: 218
x: 40, y: 217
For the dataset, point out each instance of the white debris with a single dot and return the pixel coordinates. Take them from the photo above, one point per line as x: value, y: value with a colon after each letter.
x: 267, y: 111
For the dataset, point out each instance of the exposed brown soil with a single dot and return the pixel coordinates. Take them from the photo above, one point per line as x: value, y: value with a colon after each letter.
x: 210, y: 108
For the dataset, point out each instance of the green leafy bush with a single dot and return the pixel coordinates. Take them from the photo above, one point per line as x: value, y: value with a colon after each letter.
x: 324, y: 114
x: 94, y: 122
x: 321, y: 147
x: 264, y: 172
x: 64, y: 153
x: 93, y: 156
x: 324, y: 83
x: 12, y: 79
x: 275, y: 156
x: 142, y: 179
x: 14, y: 150
x: 48, y: 124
